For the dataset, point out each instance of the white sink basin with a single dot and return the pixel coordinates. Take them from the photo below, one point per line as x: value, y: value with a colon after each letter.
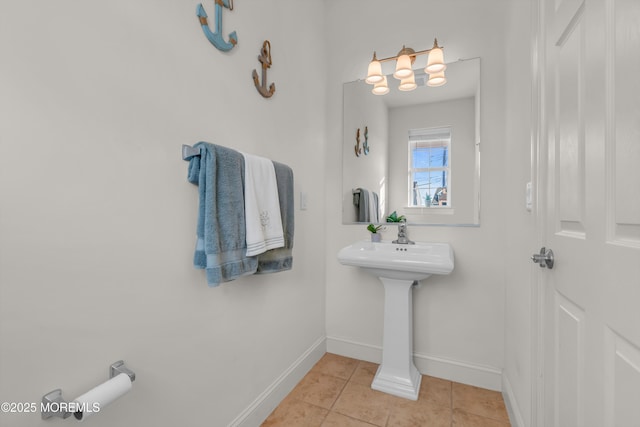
x: 398, y: 267
x: 402, y: 262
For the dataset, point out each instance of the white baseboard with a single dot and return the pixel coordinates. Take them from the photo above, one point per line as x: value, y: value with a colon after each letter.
x: 269, y: 399
x: 454, y: 370
x: 515, y: 416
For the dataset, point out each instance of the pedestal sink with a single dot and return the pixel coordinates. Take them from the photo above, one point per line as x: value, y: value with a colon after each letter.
x: 398, y: 267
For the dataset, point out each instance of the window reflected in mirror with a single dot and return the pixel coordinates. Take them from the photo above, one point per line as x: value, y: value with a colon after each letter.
x: 429, y: 173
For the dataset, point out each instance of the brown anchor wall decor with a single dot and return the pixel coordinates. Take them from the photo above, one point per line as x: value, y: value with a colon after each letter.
x: 265, y: 59
x: 357, y: 148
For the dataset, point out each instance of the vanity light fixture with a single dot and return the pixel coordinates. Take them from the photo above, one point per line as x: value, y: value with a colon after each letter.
x: 403, y: 72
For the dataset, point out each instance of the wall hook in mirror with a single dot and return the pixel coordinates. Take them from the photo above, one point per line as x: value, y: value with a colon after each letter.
x: 357, y: 147
x: 265, y: 60
x: 365, y: 146
x: 215, y: 37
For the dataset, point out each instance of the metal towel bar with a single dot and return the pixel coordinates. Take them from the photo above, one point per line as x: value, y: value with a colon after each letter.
x: 188, y: 152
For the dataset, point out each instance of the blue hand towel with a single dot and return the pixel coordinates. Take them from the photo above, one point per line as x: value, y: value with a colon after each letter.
x: 281, y: 259
x: 221, y: 246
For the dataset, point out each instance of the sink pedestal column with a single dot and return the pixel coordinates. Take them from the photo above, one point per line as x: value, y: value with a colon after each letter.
x: 397, y: 374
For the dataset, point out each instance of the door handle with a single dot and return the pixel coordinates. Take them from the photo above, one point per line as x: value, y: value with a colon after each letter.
x: 544, y: 258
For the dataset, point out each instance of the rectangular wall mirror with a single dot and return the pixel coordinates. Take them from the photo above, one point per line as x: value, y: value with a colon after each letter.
x: 416, y: 153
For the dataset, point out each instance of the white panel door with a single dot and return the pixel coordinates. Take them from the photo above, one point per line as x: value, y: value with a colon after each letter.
x: 589, y: 192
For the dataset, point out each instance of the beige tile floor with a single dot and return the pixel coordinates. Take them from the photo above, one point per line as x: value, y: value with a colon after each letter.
x: 337, y: 393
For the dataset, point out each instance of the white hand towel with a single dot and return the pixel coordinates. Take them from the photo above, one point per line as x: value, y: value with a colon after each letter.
x: 373, y: 207
x: 261, y: 205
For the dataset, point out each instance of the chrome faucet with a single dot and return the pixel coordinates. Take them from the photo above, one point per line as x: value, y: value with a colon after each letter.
x: 402, y: 235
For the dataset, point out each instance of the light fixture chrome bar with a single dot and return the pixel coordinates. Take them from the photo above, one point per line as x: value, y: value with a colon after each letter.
x: 404, y: 72
x: 412, y: 54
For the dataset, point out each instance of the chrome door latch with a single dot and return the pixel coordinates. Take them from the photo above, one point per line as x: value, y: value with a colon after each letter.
x: 544, y: 258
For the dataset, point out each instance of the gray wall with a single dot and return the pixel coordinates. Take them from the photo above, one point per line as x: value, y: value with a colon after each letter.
x: 97, y: 220
x: 520, y: 224
x: 458, y: 319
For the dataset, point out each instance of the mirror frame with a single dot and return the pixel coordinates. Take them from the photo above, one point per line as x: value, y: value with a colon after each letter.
x: 434, y: 217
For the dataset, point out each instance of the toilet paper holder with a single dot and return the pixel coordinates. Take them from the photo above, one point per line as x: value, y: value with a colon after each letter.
x: 53, y: 405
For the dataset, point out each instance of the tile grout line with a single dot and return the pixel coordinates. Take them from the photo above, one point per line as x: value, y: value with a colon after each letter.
x: 330, y: 409
x: 451, y: 403
x: 338, y: 396
x: 325, y: 418
x: 343, y: 387
x: 350, y: 380
x: 386, y: 422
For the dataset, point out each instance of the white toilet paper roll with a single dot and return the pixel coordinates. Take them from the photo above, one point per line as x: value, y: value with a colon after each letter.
x: 96, y: 399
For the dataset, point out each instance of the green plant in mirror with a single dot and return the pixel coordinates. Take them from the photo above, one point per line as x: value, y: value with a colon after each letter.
x: 395, y: 218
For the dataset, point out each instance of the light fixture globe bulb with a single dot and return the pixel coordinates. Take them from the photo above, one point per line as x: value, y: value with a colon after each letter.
x: 436, y: 79
x: 381, y: 88
x: 374, y: 73
x: 408, y: 84
x: 435, y: 62
x: 403, y: 67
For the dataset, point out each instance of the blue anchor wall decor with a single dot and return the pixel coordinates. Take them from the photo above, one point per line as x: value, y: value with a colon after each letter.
x: 265, y: 59
x: 365, y: 146
x: 216, y: 37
